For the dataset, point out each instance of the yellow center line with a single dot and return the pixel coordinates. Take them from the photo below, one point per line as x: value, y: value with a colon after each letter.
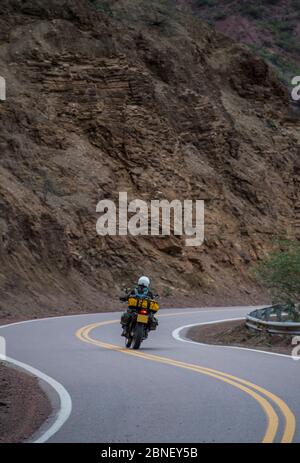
x: 246, y: 386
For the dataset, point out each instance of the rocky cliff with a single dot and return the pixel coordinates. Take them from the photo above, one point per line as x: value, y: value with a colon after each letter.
x: 146, y: 100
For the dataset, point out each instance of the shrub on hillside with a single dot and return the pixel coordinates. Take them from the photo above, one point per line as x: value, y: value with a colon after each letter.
x: 280, y: 272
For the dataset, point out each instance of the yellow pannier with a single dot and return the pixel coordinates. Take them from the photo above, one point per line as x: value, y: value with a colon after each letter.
x: 154, y: 306
x: 144, y: 303
x: 132, y: 302
x: 136, y: 302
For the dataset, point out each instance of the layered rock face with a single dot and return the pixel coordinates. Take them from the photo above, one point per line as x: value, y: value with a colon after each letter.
x: 163, y: 108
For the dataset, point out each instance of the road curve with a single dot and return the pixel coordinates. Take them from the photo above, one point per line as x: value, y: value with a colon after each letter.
x: 169, y: 391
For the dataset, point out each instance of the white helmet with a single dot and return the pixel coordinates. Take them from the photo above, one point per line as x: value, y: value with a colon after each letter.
x: 144, y: 281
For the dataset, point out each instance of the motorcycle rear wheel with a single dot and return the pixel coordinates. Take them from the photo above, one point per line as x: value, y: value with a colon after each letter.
x: 138, y: 336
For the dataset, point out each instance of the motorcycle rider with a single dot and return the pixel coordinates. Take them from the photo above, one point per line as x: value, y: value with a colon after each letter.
x: 141, y: 291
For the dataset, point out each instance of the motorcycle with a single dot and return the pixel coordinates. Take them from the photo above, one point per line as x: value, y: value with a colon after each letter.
x: 141, y: 320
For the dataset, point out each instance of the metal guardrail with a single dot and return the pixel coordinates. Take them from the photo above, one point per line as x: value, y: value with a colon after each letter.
x: 276, y: 319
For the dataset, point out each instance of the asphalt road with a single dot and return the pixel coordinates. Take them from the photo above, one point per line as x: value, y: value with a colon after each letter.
x: 169, y: 391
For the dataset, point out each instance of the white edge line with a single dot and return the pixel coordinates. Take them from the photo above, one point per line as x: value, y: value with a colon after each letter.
x: 176, y: 335
x: 64, y: 397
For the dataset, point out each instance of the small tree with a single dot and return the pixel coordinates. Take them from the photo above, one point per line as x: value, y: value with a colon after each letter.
x: 280, y: 272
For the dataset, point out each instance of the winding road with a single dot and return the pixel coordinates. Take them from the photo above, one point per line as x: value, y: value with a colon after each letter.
x: 170, y: 391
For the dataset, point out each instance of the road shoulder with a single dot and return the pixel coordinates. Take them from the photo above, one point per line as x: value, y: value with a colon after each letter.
x: 235, y: 333
x: 24, y: 406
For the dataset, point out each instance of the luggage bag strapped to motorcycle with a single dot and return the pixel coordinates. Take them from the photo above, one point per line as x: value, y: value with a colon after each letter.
x: 143, y: 303
x: 125, y: 318
x: 153, y: 324
x: 154, y: 305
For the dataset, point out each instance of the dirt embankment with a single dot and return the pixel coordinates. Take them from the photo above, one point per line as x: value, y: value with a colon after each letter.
x: 149, y: 101
x: 23, y: 405
x: 235, y: 333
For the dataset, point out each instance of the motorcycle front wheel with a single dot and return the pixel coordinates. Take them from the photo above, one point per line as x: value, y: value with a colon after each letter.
x: 128, y: 341
x: 129, y: 335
